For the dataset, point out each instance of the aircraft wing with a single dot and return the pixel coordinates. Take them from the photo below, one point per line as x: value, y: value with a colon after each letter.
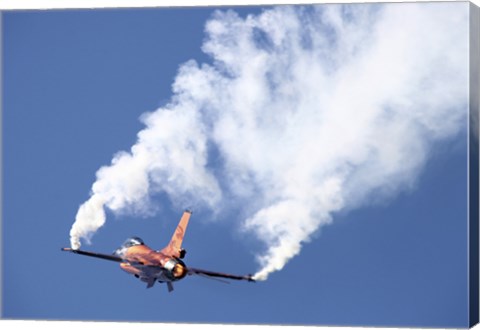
x: 94, y: 254
x: 196, y: 271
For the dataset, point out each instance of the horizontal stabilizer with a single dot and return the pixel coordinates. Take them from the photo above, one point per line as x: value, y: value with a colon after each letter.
x: 150, y: 282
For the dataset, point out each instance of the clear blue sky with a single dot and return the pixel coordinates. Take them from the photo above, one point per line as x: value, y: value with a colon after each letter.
x: 75, y: 84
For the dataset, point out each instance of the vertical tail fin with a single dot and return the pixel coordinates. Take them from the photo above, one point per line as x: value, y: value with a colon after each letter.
x: 174, y: 248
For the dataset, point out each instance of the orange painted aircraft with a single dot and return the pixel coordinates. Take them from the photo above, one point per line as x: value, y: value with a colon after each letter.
x: 163, y: 266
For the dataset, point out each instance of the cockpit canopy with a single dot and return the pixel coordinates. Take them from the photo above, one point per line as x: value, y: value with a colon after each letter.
x: 133, y: 241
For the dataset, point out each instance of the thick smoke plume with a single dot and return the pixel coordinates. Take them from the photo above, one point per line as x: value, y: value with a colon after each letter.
x: 304, y: 111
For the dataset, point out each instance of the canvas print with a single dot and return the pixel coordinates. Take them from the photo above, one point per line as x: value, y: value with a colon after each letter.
x: 284, y: 165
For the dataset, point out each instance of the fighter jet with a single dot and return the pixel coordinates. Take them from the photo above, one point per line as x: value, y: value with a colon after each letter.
x: 163, y: 266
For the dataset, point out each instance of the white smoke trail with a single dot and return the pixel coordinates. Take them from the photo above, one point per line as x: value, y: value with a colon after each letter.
x: 311, y: 110
x: 170, y: 156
